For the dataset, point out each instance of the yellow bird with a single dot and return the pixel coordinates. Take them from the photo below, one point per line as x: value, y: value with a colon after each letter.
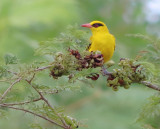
x: 101, y: 39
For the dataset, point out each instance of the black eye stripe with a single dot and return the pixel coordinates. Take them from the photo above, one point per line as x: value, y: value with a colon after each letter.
x: 97, y: 25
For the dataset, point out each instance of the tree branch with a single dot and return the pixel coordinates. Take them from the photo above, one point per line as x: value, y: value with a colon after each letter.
x: 46, y: 101
x: 42, y: 68
x: 10, y: 87
x: 49, y: 92
x: 45, y: 118
x: 150, y: 85
x: 22, y: 103
x: 35, y: 70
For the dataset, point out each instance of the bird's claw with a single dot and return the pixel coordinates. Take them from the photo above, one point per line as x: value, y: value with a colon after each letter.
x: 104, y: 71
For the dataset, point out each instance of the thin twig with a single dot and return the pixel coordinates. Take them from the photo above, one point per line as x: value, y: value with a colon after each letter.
x: 12, y: 72
x: 4, y: 80
x: 42, y: 68
x: 22, y: 103
x: 10, y: 87
x: 45, y: 118
x: 46, y: 101
x: 150, y: 85
x: 35, y: 70
x: 43, y: 98
x: 49, y: 92
x: 32, y: 78
x: 8, y: 80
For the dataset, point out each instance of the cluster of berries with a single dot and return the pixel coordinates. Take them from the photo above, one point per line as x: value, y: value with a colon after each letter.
x: 130, y: 72
x: 65, y: 63
x: 92, y: 60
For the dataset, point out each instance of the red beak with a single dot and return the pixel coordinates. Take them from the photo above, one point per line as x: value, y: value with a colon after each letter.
x: 86, y: 25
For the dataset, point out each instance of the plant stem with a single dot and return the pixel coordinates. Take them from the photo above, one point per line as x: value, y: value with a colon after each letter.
x: 47, y: 102
x: 22, y: 103
x: 45, y: 118
x: 42, y: 68
x: 150, y: 85
x: 10, y: 87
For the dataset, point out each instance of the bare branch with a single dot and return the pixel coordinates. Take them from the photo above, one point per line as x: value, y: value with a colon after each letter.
x: 22, y: 103
x: 4, y: 80
x: 32, y: 78
x: 46, y: 101
x: 150, y: 85
x: 43, y: 68
x: 12, y: 72
x: 10, y: 87
x: 45, y: 118
x: 35, y: 70
x: 49, y: 92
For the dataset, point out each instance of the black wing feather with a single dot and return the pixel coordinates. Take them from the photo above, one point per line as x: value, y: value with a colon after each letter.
x: 89, y: 46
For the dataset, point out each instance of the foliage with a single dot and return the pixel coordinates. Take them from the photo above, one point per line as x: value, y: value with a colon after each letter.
x: 10, y: 59
x: 24, y: 23
x: 74, y: 64
x: 3, y: 71
x: 28, y: 74
x: 72, y: 38
x: 150, y: 59
x: 131, y: 72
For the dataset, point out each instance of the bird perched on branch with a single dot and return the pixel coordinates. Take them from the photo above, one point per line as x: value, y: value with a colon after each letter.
x: 101, y: 39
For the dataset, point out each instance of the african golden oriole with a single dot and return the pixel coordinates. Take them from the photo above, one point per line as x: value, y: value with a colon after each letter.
x: 101, y: 39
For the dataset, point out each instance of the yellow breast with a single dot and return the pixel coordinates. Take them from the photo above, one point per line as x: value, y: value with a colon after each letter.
x: 104, y: 42
x: 101, y: 39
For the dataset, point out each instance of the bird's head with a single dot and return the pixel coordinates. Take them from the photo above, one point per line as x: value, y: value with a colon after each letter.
x: 96, y: 26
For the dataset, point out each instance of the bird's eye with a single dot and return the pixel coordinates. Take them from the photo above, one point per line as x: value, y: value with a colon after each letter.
x: 97, y: 25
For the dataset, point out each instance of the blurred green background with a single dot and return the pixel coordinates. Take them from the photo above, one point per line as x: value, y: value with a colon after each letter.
x: 23, y: 24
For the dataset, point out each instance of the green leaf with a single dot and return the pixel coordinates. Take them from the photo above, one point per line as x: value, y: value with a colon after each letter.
x: 151, y: 109
x: 3, y: 113
x: 10, y: 59
x: 36, y: 126
x: 72, y: 38
x: 3, y: 71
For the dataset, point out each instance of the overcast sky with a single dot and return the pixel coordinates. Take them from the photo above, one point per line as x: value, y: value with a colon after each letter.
x: 153, y: 11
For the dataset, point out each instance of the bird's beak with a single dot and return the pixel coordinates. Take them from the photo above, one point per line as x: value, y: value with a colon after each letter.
x: 86, y: 25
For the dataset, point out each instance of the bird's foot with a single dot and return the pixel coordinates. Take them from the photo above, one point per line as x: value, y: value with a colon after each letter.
x: 105, y: 72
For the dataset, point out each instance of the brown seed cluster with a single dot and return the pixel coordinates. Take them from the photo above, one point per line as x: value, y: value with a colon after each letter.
x: 89, y: 61
x: 64, y: 64
x: 75, y: 53
x: 58, y: 71
x: 129, y: 72
x: 93, y: 76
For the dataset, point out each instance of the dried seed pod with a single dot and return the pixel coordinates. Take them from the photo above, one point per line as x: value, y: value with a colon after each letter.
x: 129, y: 72
x: 75, y: 53
x: 93, y: 76
x: 63, y: 64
